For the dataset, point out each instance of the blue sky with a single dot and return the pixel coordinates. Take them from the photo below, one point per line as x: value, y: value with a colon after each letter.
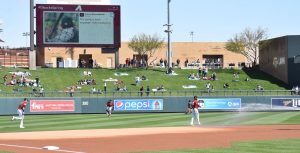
x: 210, y: 20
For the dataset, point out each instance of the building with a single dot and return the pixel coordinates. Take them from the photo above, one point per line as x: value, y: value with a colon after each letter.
x: 280, y: 57
x: 14, y: 57
x: 208, y: 53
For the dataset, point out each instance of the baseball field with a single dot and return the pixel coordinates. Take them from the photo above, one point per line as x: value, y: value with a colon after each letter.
x: 154, y: 132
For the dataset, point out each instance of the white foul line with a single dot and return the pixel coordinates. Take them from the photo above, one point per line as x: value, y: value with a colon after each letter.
x: 37, y: 148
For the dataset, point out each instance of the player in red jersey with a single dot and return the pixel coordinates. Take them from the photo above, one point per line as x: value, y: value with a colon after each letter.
x: 109, y: 107
x: 21, y: 110
x: 195, y: 112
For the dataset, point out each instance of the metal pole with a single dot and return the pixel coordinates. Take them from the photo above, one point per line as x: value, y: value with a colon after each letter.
x: 31, y: 25
x: 117, y: 62
x: 169, y: 37
x: 192, y: 35
x: 32, y: 52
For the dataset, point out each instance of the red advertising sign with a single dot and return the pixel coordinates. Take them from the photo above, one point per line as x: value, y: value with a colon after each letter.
x: 52, y: 105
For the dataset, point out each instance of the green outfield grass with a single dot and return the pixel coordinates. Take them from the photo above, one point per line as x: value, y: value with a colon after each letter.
x: 273, y: 146
x: 100, y: 121
x: 60, y: 79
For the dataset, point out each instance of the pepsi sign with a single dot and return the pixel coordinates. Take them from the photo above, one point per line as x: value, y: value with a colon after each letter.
x: 138, y: 104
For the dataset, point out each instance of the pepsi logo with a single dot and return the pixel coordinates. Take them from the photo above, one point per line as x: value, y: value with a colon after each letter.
x: 119, y: 104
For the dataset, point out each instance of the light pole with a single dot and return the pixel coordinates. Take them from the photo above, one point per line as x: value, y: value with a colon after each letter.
x: 32, y: 52
x: 192, y: 35
x: 26, y: 34
x: 169, y: 31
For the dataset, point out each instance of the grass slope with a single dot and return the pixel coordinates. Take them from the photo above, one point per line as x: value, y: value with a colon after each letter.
x: 59, y: 79
x: 273, y: 146
x: 100, y: 121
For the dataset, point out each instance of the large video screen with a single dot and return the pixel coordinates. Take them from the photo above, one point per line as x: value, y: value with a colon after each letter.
x: 78, y: 25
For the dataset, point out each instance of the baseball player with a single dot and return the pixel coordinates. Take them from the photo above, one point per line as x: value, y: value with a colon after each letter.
x: 109, y: 107
x: 21, y: 110
x: 195, y: 112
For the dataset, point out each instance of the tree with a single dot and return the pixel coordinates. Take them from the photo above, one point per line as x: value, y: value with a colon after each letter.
x: 247, y: 43
x: 144, y: 44
x: 1, y: 30
x: 70, y: 51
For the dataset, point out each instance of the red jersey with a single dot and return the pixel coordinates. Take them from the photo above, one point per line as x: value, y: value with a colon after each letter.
x: 110, y: 104
x: 22, y: 105
x: 195, y: 104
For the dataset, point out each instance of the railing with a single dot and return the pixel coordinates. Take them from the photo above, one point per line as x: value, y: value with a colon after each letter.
x: 183, y: 93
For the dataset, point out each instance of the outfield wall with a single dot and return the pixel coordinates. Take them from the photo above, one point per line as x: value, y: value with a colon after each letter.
x: 51, y: 105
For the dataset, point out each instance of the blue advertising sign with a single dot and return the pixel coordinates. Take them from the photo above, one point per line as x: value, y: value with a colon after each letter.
x: 138, y: 104
x: 224, y: 103
x: 285, y: 103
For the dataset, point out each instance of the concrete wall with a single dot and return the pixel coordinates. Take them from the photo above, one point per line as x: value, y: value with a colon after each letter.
x: 277, y: 58
x: 293, y: 68
x: 8, y: 106
x: 273, y: 57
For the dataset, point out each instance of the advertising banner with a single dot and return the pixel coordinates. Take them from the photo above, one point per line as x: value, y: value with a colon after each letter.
x: 78, y: 25
x: 285, y: 103
x: 52, y: 105
x: 224, y: 103
x: 138, y: 104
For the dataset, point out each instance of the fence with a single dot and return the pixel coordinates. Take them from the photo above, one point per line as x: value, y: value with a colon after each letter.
x: 9, y: 58
x: 167, y: 104
x: 183, y: 93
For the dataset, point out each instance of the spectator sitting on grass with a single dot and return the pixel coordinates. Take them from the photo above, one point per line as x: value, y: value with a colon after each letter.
x: 235, y: 77
x: 93, y: 90
x: 191, y: 76
x: 214, y: 76
x: 87, y: 73
x: 11, y: 83
x: 169, y: 70
x: 160, y: 88
x: 226, y: 86
x: 124, y: 88
x: 247, y: 79
x: 87, y: 82
x: 137, y: 80
x: 144, y: 78
x: 259, y: 88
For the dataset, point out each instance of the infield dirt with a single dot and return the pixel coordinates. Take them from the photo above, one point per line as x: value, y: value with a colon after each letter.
x: 143, y: 139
